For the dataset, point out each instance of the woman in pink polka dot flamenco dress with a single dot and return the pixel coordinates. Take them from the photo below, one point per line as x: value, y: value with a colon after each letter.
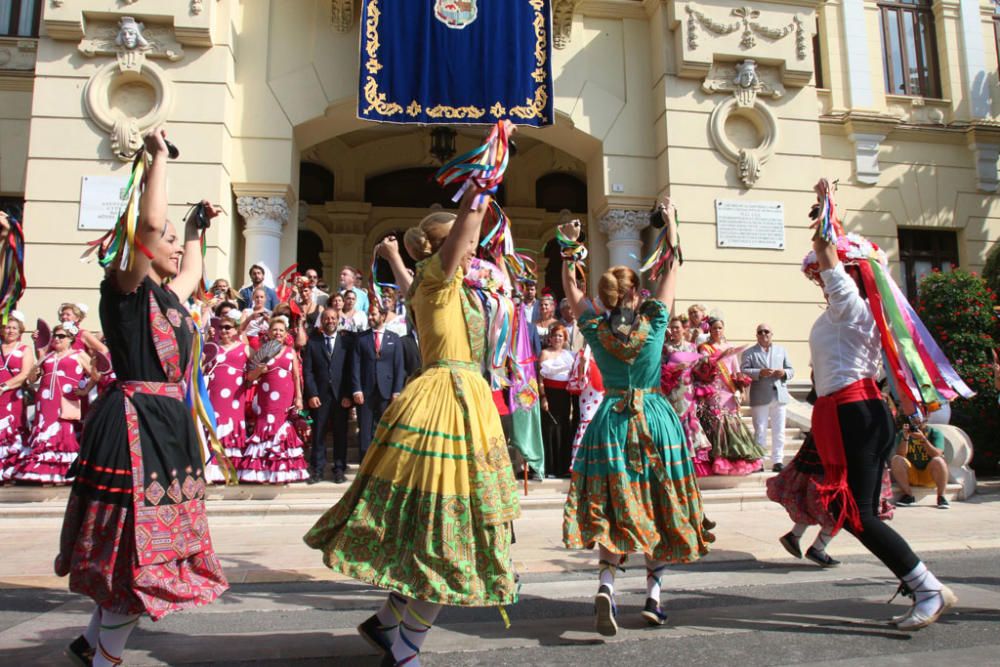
x: 53, y: 446
x: 274, y: 454
x: 17, y: 361
x: 225, y: 373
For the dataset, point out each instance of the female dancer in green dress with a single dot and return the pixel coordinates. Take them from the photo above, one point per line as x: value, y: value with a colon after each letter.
x: 633, y: 487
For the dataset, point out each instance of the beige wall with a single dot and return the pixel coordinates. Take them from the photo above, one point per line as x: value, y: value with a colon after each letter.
x: 263, y: 85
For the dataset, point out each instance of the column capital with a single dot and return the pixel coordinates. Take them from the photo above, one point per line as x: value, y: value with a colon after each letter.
x: 270, y: 208
x: 622, y: 224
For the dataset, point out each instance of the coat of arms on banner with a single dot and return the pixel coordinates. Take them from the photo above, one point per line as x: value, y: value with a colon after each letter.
x: 455, y: 14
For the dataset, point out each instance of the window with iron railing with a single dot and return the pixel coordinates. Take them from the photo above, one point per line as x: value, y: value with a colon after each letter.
x: 19, y: 18
x: 909, y: 48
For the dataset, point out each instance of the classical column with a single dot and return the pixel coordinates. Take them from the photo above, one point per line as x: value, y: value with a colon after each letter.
x: 623, y: 228
x: 265, y: 219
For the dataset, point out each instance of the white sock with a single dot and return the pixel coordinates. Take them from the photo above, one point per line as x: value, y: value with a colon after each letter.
x: 654, y: 570
x: 417, y: 621
x: 798, y: 530
x: 115, y: 629
x: 926, y: 589
x: 609, y: 565
x: 823, y: 539
x: 93, y: 630
x: 390, y: 615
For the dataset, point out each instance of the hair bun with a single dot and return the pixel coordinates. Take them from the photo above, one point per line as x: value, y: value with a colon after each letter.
x: 417, y: 244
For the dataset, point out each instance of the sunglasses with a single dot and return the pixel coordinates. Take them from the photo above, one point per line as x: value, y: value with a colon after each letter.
x: 60, y: 336
x: 227, y: 326
x: 763, y: 331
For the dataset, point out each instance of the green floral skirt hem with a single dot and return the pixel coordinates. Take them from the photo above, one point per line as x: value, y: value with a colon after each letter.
x: 662, y: 520
x: 422, y: 545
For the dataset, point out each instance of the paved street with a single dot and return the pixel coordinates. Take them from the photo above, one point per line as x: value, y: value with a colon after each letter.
x: 747, y: 603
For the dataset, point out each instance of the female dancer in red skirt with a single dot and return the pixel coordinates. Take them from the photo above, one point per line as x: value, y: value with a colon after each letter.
x: 135, y: 537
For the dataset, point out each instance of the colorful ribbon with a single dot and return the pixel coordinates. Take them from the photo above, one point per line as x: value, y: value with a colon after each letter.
x: 12, y: 257
x: 663, y: 254
x: 377, y: 287
x: 121, y: 242
x: 197, y: 399
x: 829, y: 225
x: 483, y: 166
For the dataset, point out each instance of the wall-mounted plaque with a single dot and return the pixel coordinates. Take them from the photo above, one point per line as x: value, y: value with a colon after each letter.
x: 750, y: 224
x: 101, y: 200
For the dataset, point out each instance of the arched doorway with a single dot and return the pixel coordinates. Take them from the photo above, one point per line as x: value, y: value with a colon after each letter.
x: 383, y: 183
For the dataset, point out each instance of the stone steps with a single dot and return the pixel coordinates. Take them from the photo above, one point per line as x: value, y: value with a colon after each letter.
x: 299, y: 499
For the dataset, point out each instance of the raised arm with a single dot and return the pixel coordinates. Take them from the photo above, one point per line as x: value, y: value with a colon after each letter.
x: 574, y: 295
x: 152, y: 212
x: 464, y: 233
x: 388, y: 249
x: 666, y: 288
x: 187, y: 279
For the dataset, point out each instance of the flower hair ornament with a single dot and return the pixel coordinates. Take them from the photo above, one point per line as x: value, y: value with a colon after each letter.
x: 19, y: 316
x: 852, y: 249
x: 69, y: 328
x: 915, y: 364
x: 282, y: 318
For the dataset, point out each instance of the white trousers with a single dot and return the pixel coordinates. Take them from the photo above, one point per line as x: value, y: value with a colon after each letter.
x: 776, y: 413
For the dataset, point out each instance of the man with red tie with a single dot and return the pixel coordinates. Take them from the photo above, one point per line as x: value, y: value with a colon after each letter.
x: 378, y: 374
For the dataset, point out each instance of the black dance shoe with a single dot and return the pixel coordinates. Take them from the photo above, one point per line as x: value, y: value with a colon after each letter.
x: 375, y: 634
x: 339, y: 477
x: 605, y: 612
x: 707, y: 523
x: 821, y: 558
x: 80, y: 652
x: 791, y: 544
x: 653, y: 613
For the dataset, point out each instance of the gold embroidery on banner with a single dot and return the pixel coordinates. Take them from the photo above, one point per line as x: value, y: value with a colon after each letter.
x: 533, y: 107
x: 375, y: 99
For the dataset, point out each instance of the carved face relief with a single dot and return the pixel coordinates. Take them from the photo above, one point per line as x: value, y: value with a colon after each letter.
x: 746, y: 74
x: 130, y: 34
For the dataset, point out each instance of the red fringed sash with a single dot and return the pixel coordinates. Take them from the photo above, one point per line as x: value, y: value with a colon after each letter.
x: 835, y: 496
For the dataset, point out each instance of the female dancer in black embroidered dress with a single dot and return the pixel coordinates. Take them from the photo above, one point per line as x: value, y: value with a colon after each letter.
x: 135, y: 537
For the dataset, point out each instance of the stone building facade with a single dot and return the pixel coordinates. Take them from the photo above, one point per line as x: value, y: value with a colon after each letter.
x: 715, y: 102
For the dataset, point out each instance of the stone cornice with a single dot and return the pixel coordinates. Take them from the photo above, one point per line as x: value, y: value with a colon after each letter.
x: 263, y: 208
x: 251, y: 189
x: 619, y: 223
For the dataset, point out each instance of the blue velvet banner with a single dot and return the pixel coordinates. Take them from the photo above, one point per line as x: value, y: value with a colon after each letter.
x: 456, y: 61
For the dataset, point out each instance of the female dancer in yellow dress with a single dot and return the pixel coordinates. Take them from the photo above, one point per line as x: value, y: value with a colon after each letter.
x: 428, y: 516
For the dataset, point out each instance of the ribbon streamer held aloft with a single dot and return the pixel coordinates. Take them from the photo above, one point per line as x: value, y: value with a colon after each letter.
x: 378, y: 287
x: 664, y: 253
x: 121, y: 242
x: 12, y: 269
x: 829, y: 226
x: 484, y: 166
x: 499, y: 243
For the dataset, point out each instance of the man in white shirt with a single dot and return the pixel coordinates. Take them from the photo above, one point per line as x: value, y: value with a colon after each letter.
x: 768, y: 366
x: 319, y: 297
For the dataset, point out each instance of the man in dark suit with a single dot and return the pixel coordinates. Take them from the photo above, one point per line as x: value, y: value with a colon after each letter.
x: 326, y: 368
x: 411, y: 352
x: 377, y: 374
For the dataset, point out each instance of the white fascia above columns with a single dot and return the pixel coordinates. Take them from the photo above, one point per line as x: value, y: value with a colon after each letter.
x: 859, y: 71
x: 977, y: 83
